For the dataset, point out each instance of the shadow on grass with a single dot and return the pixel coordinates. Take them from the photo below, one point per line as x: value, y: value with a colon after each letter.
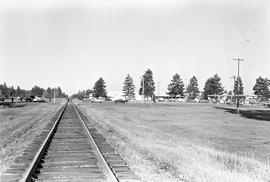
x: 251, y: 114
x: 9, y: 104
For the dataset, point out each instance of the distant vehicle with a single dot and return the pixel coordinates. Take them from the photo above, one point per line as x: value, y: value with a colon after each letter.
x: 161, y: 100
x: 120, y: 101
x: 38, y: 99
x: 108, y: 99
x: 267, y: 103
x: 2, y: 98
x: 29, y: 99
x: 86, y: 99
x: 98, y: 100
x: 19, y: 99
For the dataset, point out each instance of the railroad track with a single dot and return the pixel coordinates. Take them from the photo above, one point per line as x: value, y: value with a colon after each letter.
x: 69, y: 149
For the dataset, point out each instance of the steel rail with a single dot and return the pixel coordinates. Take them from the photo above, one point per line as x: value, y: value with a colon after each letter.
x: 31, y: 169
x: 108, y: 170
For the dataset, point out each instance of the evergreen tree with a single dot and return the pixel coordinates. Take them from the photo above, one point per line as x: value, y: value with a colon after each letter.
x: 261, y: 88
x: 23, y: 93
x: 100, y: 88
x: 18, y: 92
x: 12, y: 91
x: 49, y: 93
x: 81, y: 94
x: 8, y: 92
x: 176, y: 87
x: 192, y: 89
x: 37, y: 91
x: 64, y: 95
x: 241, y: 88
x: 128, y: 88
x: 213, y: 86
x: 148, y: 83
x: 5, y: 90
x: 58, y: 92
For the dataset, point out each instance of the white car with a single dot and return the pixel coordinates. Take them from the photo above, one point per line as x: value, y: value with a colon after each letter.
x: 161, y: 100
x: 38, y: 99
x: 98, y: 100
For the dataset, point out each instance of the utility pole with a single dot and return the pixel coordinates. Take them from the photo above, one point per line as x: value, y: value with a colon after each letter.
x: 238, y: 70
x: 54, y: 95
x: 143, y: 89
x: 233, y: 93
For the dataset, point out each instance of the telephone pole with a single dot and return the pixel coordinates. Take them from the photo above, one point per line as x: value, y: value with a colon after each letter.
x: 238, y: 70
x: 54, y: 95
x: 143, y: 89
x: 233, y: 93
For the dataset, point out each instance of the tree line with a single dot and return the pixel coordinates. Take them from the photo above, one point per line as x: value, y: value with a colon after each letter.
x: 10, y: 92
x: 176, y: 87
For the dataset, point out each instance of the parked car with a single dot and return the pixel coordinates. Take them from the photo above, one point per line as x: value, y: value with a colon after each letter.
x: 98, y: 100
x: 120, y: 101
x: 38, y: 99
x: 267, y: 103
x: 161, y: 100
x: 108, y: 99
x: 29, y: 99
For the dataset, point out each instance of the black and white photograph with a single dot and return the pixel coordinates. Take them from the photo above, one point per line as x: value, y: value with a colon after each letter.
x: 134, y: 91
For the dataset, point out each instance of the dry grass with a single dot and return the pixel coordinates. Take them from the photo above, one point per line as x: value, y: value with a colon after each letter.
x: 185, y: 142
x: 19, y: 126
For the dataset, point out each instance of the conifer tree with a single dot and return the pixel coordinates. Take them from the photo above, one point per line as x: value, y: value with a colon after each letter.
x: 261, y: 88
x: 100, y: 88
x: 241, y: 88
x: 176, y: 87
x: 213, y: 86
x: 148, y: 83
x: 12, y: 91
x: 49, y: 93
x: 128, y: 88
x: 18, y: 92
x: 4, y: 90
x: 192, y: 89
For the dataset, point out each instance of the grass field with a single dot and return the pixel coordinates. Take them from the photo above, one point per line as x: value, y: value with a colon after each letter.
x: 19, y: 125
x: 185, y: 142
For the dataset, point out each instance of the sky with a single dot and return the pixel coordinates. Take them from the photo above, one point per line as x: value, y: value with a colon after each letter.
x: 73, y: 43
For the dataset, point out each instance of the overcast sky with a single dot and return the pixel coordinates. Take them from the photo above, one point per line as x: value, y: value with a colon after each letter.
x: 71, y: 44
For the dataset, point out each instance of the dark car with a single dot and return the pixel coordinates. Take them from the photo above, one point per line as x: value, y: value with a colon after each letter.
x: 2, y: 99
x: 120, y: 101
x: 29, y: 99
